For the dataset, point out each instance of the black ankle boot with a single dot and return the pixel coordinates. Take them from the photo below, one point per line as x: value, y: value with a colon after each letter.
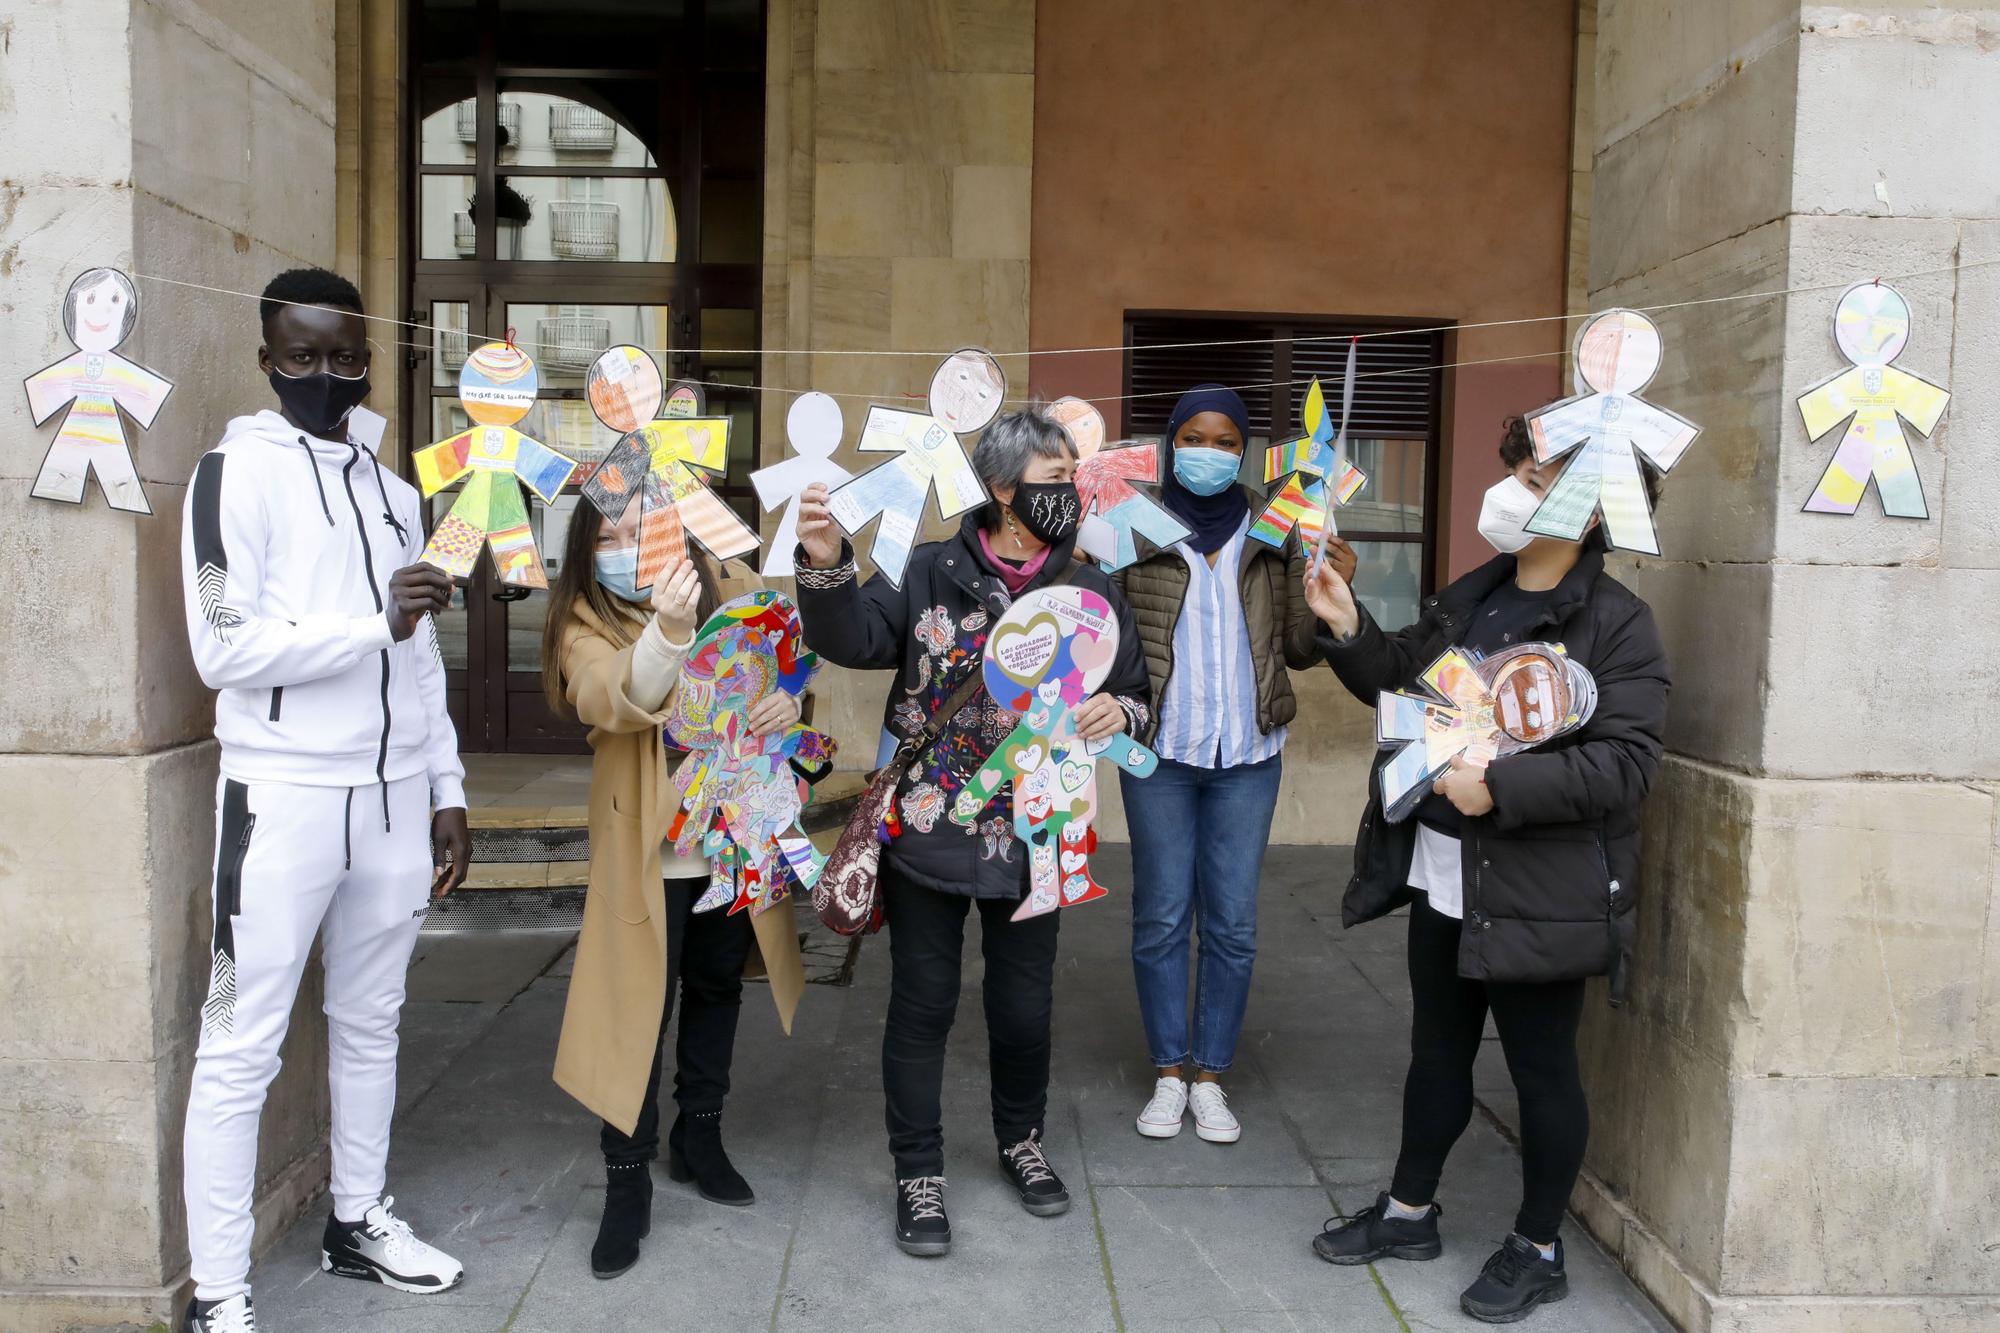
x: 694, y: 1153
x: 628, y: 1217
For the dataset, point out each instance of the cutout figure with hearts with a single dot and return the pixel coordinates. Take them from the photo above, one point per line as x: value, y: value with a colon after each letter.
x: 1046, y: 655
x: 655, y: 462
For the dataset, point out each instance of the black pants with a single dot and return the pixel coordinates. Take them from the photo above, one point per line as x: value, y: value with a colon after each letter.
x: 1537, y: 1022
x: 705, y: 956
x: 926, y: 944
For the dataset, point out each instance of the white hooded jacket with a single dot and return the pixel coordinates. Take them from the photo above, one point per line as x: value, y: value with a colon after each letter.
x: 287, y: 546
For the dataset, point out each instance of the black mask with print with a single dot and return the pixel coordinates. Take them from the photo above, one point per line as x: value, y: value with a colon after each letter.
x: 1049, y: 509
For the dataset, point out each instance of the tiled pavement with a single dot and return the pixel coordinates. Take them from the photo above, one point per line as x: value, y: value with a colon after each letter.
x: 498, y: 1166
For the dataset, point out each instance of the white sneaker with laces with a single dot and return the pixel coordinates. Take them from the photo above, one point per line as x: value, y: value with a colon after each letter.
x: 1162, y: 1117
x: 231, y: 1316
x: 1213, y: 1120
x: 382, y: 1248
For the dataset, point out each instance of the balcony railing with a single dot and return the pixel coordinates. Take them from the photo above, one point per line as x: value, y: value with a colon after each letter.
x: 453, y: 346
x: 464, y: 236
x: 583, y: 228
x: 576, y: 128
x: 466, y: 119
x: 571, y: 342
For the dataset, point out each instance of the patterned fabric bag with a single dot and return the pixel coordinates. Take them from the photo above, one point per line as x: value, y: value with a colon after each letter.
x: 848, y: 893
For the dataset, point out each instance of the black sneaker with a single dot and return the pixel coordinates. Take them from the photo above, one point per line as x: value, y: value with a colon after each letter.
x: 1027, y: 1169
x: 231, y: 1316
x: 1515, y: 1280
x: 1371, y: 1234
x: 922, y: 1228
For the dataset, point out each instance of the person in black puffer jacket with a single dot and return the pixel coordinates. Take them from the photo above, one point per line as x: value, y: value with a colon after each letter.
x: 1520, y: 878
x: 933, y: 629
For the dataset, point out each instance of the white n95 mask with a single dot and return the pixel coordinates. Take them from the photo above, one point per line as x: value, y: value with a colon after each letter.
x: 1504, y: 514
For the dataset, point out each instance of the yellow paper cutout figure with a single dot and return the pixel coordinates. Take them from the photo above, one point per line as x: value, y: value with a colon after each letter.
x: 497, y: 387
x: 94, y: 382
x: 1871, y: 324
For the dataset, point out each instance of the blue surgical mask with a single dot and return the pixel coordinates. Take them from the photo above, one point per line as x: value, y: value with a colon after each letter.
x: 616, y: 573
x: 1205, y: 471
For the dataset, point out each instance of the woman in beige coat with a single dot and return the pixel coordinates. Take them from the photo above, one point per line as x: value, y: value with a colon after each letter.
x: 612, y: 665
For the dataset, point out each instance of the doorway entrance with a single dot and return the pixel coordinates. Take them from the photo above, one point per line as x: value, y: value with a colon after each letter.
x: 584, y: 173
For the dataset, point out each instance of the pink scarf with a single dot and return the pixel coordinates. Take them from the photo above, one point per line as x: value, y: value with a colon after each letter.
x: 1015, y: 579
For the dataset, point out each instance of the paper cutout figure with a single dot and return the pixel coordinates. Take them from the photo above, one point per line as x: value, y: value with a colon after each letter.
x: 1112, y: 510
x: 497, y: 386
x: 966, y: 393
x: 741, y: 794
x: 1316, y: 478
x: 94, y: 382
x: 1609, y: 427
x: 655, y: 461
x: 1871, y: 323
x: 814, y: 427
x: 1480, y: 709
x: 1046, y: 655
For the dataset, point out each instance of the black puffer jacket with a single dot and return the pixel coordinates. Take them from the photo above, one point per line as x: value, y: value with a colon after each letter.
x: 1552, y: 873
x: 934, y: 630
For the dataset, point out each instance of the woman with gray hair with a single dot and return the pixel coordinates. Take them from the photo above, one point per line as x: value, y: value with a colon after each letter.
x: 933, y: 629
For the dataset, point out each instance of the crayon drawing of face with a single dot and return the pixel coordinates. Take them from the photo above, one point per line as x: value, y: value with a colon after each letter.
x: 100, y: 310
x: 967, y: 390
x: 1617, y: 352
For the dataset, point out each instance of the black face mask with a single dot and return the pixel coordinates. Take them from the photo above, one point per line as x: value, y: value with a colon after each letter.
x: 320, y: 402
x: 1050, y: 510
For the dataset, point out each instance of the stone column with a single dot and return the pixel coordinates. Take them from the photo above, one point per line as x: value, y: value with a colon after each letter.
x: 1797, y: 1123
x: 190, y: 139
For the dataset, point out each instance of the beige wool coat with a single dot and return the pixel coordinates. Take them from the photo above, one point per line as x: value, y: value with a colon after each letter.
x: 618, y: 990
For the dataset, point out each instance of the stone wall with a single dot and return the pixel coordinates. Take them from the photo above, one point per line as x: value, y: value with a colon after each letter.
x: 191, y: 139
x: 1797, y: 1123
x: 899, y: 138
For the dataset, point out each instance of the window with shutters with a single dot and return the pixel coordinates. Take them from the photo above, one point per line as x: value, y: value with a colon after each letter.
x: 1392, y: 434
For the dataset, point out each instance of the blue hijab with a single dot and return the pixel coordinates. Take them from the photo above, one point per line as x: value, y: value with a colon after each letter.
x: 1213, y: 518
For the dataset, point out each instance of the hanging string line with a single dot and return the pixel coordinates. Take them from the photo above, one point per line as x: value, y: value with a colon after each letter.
x: 1295, y: 339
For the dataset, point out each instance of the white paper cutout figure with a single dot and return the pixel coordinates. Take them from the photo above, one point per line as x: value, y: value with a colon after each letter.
x: 1871, y: 323
x: 1608, y: 426
x: 94, y: 382
x: 966, y: 393
x: 1112, y: 509
x: 814, y: 427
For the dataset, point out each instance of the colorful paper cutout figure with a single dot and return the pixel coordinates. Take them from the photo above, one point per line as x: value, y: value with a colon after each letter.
x: 497, y: 387
x: 1609, y: 427
x: 1046, y: 655
x: 966, y: 393
x: 741, y: 794
x: 1316, y: 478
x: 655, y: 462
x: 814, y: 427
x: 1112, y: 510
x: 94, y: 382
x: 1871, y: 324
x: 1479, y: 709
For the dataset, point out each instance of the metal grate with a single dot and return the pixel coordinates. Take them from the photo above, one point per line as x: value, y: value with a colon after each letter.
x: 471, y: 910
x: 577, y: 128
x: 464, y: 235
x: 583, y: 228
x: 571, y: 342
x: 465, y: 119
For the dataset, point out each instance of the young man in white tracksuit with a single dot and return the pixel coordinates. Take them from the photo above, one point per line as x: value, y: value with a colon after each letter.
x: 340, y: 807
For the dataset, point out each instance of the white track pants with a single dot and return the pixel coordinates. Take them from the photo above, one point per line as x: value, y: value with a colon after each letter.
x: 292, y: 862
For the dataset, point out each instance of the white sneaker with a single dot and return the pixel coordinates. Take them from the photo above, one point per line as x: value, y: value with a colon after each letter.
x: 1213, y: 1119
x: 1162, y: 1117
x: 231, y: 1316
x: 382, y: 1248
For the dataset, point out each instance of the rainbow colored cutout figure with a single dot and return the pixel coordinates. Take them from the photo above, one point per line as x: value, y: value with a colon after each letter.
x: 1871, y: 324
x: 1046, y: 655
x: 497, y: 387
x: 94, y: 382
x: 1311, y: 468
x: 1113, y: 509
x: 1609, y: 427
x: 741, y: 794
x: 660, y: 446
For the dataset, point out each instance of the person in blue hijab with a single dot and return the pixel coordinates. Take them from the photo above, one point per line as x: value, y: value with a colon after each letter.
x: 1221, y: 617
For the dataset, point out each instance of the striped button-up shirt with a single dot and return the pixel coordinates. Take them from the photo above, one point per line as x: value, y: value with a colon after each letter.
x: 1208, y: 716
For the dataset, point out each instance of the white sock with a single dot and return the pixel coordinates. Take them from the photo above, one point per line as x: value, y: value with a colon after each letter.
x: 1407, y: 1213
x: 1548, y: 1250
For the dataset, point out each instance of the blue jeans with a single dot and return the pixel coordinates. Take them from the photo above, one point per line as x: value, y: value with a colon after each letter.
x: 1198, y: 837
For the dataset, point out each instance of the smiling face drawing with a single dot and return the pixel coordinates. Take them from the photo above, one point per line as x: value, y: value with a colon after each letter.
x: 100, y: 310
x: 967, y: 390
